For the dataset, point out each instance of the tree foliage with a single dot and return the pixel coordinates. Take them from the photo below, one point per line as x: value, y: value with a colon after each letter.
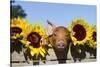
x: 16, y: 11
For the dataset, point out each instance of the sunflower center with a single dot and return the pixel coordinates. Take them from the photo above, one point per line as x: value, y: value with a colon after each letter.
x: 34, y: 38
x: 80, y: 32
x: 15, y: 30
x: 94, y: 36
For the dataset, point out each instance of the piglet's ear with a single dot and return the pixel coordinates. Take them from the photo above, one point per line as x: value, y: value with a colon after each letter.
x: 50, y: 28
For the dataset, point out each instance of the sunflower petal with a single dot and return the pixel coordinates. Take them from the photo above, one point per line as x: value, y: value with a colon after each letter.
x: 42, y: 54
x: 32, y: 53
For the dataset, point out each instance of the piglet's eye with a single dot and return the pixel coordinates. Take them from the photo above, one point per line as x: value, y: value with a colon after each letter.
x: 66, y: 35
x: 55, y: 34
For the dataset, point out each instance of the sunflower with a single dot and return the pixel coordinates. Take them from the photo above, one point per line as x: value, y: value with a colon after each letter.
x: 32, y: 39
x: 79, y: 31
x: 17, y: 26
x: 93, y: 37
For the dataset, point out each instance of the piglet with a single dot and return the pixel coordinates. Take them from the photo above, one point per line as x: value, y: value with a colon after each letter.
x: 59, y: 38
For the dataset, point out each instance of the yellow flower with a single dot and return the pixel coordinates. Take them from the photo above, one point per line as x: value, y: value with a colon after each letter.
x: 93, y: 36
x: 17, y: 26
x: 79, y: 31
x: 32, y: 39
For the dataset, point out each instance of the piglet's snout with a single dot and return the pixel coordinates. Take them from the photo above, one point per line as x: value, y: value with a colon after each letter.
x: 60, y: 44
